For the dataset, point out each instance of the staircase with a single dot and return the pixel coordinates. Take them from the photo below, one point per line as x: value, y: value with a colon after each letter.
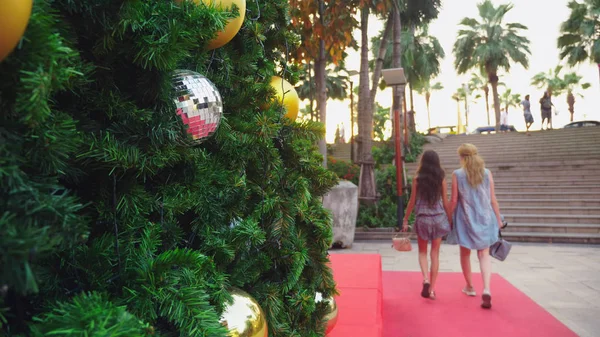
x: 547, y: 184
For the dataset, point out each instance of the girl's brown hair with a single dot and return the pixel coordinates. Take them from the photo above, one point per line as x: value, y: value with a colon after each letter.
x: 430, y: 177
x: 472, y: 163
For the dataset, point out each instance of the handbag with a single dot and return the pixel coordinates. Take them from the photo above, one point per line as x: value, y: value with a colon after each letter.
x: 401, y: 242
x: 500, y: 249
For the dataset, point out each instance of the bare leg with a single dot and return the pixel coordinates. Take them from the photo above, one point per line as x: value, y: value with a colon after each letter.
x: 485, y: 263
x: 423, y: 258
x: 435, y: 261
x: 465, y: 263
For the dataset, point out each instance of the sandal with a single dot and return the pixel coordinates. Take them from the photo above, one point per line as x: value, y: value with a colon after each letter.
x: 432, y: 295
x: 486, y: 301
x: 425, y: 291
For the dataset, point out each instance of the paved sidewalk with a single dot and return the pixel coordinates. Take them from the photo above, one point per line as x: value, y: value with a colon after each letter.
x: 564, y: 279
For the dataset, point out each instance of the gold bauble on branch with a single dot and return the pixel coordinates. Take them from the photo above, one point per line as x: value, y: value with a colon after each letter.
x: 232, y: 26
x: 286, y: 95
x: 332, y: 311
x: 244, y: 317
x: 14, y: 17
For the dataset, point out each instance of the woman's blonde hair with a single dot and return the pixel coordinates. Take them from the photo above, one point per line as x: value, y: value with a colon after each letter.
x: 472, y: 163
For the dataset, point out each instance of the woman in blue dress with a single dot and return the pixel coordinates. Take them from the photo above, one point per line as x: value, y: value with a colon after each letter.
x: 476, y: 217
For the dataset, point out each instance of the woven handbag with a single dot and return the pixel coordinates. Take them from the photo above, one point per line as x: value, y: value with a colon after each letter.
x: 401, y: 242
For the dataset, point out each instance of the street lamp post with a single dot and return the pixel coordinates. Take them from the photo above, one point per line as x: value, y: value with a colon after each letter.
x: 396, y: 79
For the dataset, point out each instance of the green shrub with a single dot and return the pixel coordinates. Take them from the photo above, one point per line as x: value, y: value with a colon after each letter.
x: 344, y: 170
x: 384, y: 212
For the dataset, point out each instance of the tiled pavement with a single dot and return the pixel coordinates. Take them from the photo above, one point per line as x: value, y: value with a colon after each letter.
x: 564, y: 279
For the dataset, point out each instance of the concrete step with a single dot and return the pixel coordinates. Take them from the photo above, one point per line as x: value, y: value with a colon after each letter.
x: 386, y: 234
x: 581, y: 174
x: 546, y: 237
x: 552, y: 228
x: 547, y: 189
x: 551, y: 210
x: 545, y: 195
x: 526, y: 175
x: 515, y: 186
x: 551, y: 218
x: 507, y: 202
x: 524, y: 158
x: 545, y: 182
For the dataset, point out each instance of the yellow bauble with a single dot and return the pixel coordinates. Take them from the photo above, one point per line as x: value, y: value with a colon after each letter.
x: 332, y: 313
x: 284, y: 90
x: 232, y: 27
x: 14, y: 16
x: 244, y: 317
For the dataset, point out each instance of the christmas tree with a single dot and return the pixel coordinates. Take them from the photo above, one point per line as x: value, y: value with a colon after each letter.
x: 113, y: 220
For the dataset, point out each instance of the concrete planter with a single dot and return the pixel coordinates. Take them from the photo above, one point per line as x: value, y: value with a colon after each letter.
x: 342, y: 201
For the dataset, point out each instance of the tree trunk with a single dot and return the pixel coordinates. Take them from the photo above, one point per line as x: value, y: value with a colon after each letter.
x: 379, y: 62
x: 486, y: 90
x: 571, y: 103
x: 321, y: 88
x: 311, y: 94
x: 412, y: 105
x: 494, y: 83
x: 365, y: 113
x: 427, y: 98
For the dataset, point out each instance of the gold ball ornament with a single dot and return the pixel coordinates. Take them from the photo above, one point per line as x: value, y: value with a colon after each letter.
x: 286, y: 95
x: 244, y: 317
x: 14, y: 17
x: 232, y: 27
x: 332, y: 313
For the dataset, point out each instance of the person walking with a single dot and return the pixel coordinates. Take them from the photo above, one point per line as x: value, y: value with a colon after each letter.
x: 429, y: 200
x: 546, y: 107
x: 527, y: 113
x: 475, y: 216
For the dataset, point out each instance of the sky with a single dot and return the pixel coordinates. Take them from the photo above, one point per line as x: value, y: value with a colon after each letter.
x: 542, y: 17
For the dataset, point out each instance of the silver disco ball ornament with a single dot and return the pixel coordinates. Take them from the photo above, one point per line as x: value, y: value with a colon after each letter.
x: 199, y: 103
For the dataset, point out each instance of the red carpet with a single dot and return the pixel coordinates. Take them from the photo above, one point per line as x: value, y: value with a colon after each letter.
x: 359, y: 282
x: 407, y: 314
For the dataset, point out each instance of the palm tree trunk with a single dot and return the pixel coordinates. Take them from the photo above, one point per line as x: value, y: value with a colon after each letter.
x: 379, y: 62
x: 412, y: 106
x: 494, y: 83
x: 365, y: 115
x: 571, y: 103
x: 427, y: 98
x: 487, y: 103
x: 321, y: 87
x: 311, y: 93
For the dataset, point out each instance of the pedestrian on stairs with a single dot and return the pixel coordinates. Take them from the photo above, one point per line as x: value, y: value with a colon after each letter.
x: 475, y: 217
x: 546, y: 107
x: 429, y: 200
x: 527, y: 113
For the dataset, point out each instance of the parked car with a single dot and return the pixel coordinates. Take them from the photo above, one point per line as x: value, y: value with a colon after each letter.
x: 490, y: 129
x: 581, y: 124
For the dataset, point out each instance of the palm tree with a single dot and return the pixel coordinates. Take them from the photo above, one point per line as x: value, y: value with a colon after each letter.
x: 336, y: 84
x: 426, y: 88
x: 580, y: 39
x: 421, y: 56
x: 510, y: 100
x: 557, y: 85
x: 480, y: 82
x: 549, y: 81
x: 572, y: 83
x: 490, y: 45
x: 459, y: 95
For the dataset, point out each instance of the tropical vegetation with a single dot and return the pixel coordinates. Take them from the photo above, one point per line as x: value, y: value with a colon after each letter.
x: 489, y: 44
